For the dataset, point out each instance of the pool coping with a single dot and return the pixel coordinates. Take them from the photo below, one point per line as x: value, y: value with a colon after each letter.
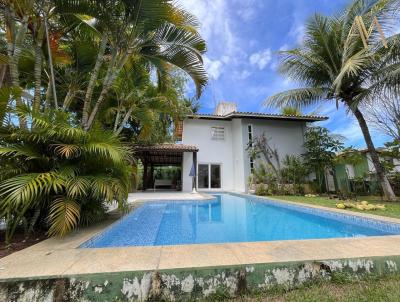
x: 43, y: 260
x: 339, y: 211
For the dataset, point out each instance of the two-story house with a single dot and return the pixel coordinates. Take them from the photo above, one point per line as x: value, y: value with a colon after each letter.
x: 222, y: 139
x: 212, y: 152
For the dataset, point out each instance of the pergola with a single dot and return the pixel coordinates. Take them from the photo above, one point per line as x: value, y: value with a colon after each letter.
x: 162, y: 155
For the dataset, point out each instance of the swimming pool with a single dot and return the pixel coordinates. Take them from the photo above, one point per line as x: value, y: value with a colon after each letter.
x: 232, y: 218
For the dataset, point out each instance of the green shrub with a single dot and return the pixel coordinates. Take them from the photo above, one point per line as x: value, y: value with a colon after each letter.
x: 60, y: 175
x: 262, y: 190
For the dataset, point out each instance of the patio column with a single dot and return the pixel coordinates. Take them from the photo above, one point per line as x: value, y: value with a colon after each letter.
x: 145, y: 175
x: 195, y: 169
x: 152, y: 176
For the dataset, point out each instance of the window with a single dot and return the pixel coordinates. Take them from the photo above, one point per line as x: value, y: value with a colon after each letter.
x: 251, y: 165
x: 203, y: 177
x: 250, y: 142
x: 209, y: 176
x: 250, y: 135
x: 218, y: 133
x: 215, y: 177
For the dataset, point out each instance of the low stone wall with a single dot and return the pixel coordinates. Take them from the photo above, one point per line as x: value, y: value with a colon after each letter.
x: 189, y: 284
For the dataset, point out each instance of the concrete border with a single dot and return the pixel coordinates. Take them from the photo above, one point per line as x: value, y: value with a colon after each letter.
x: 203, y: 284
x: 338, y: 211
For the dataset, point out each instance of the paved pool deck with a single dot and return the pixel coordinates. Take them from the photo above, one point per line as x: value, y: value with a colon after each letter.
x: 166, y: 195
x: 61, y: 258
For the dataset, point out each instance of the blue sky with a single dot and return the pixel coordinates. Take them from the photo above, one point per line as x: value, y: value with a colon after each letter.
x: 243, y: 38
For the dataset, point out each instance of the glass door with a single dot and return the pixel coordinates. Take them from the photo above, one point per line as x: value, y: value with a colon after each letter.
x: 203, y: 178
x: 215, y: 177
x: 209, y: 176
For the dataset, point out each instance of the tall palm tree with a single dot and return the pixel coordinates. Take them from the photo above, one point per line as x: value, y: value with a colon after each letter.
x: 334, y: 66
x: 155, y: 30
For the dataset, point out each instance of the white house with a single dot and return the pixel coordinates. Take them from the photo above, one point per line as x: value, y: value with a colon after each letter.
x: 222, y: 138
x: 216, y: 145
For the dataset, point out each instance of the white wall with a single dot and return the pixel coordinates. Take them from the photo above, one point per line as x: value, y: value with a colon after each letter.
x: 186, y: 167
x: 198, y: 132
x: 238, y: 155
x: 287, y: 137
x: 396, y: 163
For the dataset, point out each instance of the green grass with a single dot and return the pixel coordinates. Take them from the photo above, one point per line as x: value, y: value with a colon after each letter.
x: 369, y: 290
x: 392, y: 208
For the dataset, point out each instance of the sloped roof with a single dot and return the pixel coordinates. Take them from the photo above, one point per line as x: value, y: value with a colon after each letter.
x: 166, y: 147
x: 255, y: 115
x: 163, y: 154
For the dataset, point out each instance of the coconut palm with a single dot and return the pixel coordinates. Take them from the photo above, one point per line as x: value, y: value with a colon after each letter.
x: 59, y: 174
x: 334, y: 66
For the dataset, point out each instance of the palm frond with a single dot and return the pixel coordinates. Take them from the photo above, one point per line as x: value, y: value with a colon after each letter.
x: 78, y: 186
x: 353, y: 67
x: 63, y: 217
x: 24, y: 151
x: 26, y: 189
x: 67, y: 150
x: 297, y: 98
x: 180, y: 48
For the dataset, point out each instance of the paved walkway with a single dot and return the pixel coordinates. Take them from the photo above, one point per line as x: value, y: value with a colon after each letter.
x: 165, y: 195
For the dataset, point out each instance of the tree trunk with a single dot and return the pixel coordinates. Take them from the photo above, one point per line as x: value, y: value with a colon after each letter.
x: 48, y: 95
x: 52, y: 76
x: 14, y: 44
x: 92, y: 81
x: 116, y: 122
x: 380, y: 173
x: 125, y: 120
x: 68, y: 98
x: 38, y: 76
x: 108, y: 82
x: 3, y: 72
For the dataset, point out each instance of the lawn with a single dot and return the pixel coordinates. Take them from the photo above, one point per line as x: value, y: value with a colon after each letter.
x: 373, y: 289
x: 392, y: 208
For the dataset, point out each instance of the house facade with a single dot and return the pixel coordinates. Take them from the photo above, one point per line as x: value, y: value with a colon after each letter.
x: 360, y: 175
x: 222, y: 161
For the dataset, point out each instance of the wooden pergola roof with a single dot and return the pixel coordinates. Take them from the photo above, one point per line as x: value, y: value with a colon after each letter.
x: 163, y: 154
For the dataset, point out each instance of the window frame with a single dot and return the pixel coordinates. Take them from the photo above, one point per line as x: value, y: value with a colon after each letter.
x: 217, y: 133
x: 250, y: 137
x: 250, y: 134
x: 209, y: 175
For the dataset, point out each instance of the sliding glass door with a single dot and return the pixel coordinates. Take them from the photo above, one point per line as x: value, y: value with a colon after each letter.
x: 203, y: 179
x: 209, y: 176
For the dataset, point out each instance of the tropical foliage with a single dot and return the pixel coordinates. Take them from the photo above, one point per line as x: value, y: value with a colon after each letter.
x: 294, y: 170
x: 59, y: 173
x: 321, y: 148
x: 333, y: 65
x: 79, y: 80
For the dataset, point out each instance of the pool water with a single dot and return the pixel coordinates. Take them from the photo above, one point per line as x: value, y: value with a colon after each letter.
x: 231, y: 218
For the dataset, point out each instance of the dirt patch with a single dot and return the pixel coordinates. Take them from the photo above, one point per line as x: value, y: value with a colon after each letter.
x: 19, y: 242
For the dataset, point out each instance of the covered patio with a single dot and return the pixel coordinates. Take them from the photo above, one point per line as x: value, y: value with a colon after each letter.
x: 164, y: 155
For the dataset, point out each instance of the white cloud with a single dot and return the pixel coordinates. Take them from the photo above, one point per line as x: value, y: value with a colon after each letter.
x: 213, y: 67
x: 215, y: 22
x: 284, y: 47
x: 247, y: 13
x: 261, y: 59
x: 242, y: 75
x: 297, y: 32
x: 350, y: 130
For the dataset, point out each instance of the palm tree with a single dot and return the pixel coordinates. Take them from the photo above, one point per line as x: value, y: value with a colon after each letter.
x: 59, y: 174
x: 290, y: 111
x: 334, y: 66
x: 155, y: 30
